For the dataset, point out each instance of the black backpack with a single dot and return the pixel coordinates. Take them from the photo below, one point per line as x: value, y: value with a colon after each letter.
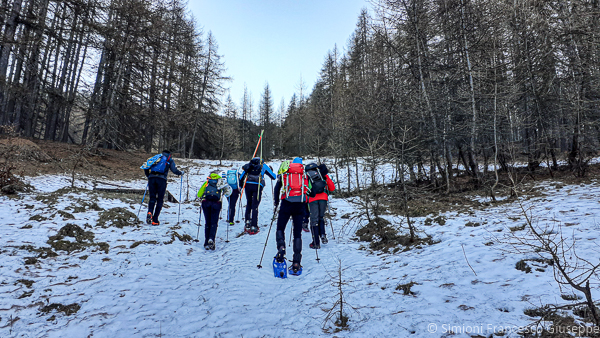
x: 317, y: 182
x: 212, y: 192
x: 253, y: 172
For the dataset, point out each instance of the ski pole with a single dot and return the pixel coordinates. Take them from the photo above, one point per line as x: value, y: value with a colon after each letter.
x: 239, y: 207
x: 143, y: 198
x: 199, y: 222
x: 227, y: 225
x: 267, y: 240
x: 330, y: 222
x: 180, y: 186
x: 312, y: 230
x: 291, y: 231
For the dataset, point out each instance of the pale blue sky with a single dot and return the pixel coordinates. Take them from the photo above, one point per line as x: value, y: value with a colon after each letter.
x: 276, y: 41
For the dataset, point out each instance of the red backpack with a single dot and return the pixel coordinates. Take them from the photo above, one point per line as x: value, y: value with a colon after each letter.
x: 294, y: 183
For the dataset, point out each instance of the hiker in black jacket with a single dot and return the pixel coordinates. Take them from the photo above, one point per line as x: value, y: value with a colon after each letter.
x: 157, y: 185
x: 253, y: 182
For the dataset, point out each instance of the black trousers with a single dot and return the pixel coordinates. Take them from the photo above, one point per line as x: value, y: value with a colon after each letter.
x: 235, y: 194
x: 317, y: 219
x: 211, y: 211
x: 156, y: 190
x: 253, y: 198
x: 296, y: 211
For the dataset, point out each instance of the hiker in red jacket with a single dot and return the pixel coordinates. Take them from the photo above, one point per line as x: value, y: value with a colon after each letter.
x: 321, y: 186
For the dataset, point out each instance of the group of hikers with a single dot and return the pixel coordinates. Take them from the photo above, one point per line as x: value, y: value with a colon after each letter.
x: 301, y: 193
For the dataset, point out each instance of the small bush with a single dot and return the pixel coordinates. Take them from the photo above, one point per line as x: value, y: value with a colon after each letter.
x: 406, y: 288
x: 66, y: 309
x: 117, y: 217
x: 523, y: 266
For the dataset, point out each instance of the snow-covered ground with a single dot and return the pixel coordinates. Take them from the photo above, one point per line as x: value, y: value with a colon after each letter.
x: 181, y: 290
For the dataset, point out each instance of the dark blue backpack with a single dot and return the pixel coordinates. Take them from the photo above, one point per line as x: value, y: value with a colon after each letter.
x: 161, y: 167
x: 212, y: 192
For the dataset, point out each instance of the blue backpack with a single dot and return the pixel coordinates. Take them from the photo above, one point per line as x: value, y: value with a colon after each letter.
x: 232, y: 178
x: 162, y: 166
x: 151, y: 161
x: 212, y: 192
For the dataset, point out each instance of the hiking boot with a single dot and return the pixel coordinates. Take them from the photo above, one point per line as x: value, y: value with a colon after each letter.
x: 313, y: 246
x: 295, y: 268
x: 155, y: 223
x: 253, y: 230
x: 206, y: 247
x: 149, y: 218
x: 211, y: 244
x: 231, y: 224
x: 280, y: 257
x: 324, y: 239
x: 305, y: 227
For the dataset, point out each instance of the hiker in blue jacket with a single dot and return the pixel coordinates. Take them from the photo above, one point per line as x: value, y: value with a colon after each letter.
x: 253, y: 174
x: 157, y: 185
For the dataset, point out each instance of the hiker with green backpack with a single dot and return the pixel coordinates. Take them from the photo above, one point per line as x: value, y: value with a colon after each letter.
x: 211, y: 194
x: 156, y: 170
x: 292, y: 189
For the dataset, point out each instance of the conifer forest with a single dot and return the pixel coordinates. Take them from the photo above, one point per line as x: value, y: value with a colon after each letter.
x: 436, y: 83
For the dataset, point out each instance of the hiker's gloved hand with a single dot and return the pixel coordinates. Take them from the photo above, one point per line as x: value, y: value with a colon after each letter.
x: 182, y: 172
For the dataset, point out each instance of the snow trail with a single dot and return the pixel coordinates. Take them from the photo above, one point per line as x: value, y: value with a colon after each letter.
x: 181, y: 290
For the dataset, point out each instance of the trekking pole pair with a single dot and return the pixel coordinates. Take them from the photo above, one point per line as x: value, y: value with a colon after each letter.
x: 268, y: 233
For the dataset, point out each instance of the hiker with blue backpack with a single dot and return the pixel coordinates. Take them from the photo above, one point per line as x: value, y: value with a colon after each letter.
x: 253, y: 178
x: 233, y: 179
x: 211, y: 193
x: 157, y: 169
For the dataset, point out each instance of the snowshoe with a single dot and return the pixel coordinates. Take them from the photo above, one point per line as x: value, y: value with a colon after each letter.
x: 279, y: 268
x: 313, y: 246
x: 253, y: 230
x: 149, y: 218
x: 211, y: 244
x: 206, y: 246
x: 324, y: 239
x: 305, y: 227
x: 295, y: 269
